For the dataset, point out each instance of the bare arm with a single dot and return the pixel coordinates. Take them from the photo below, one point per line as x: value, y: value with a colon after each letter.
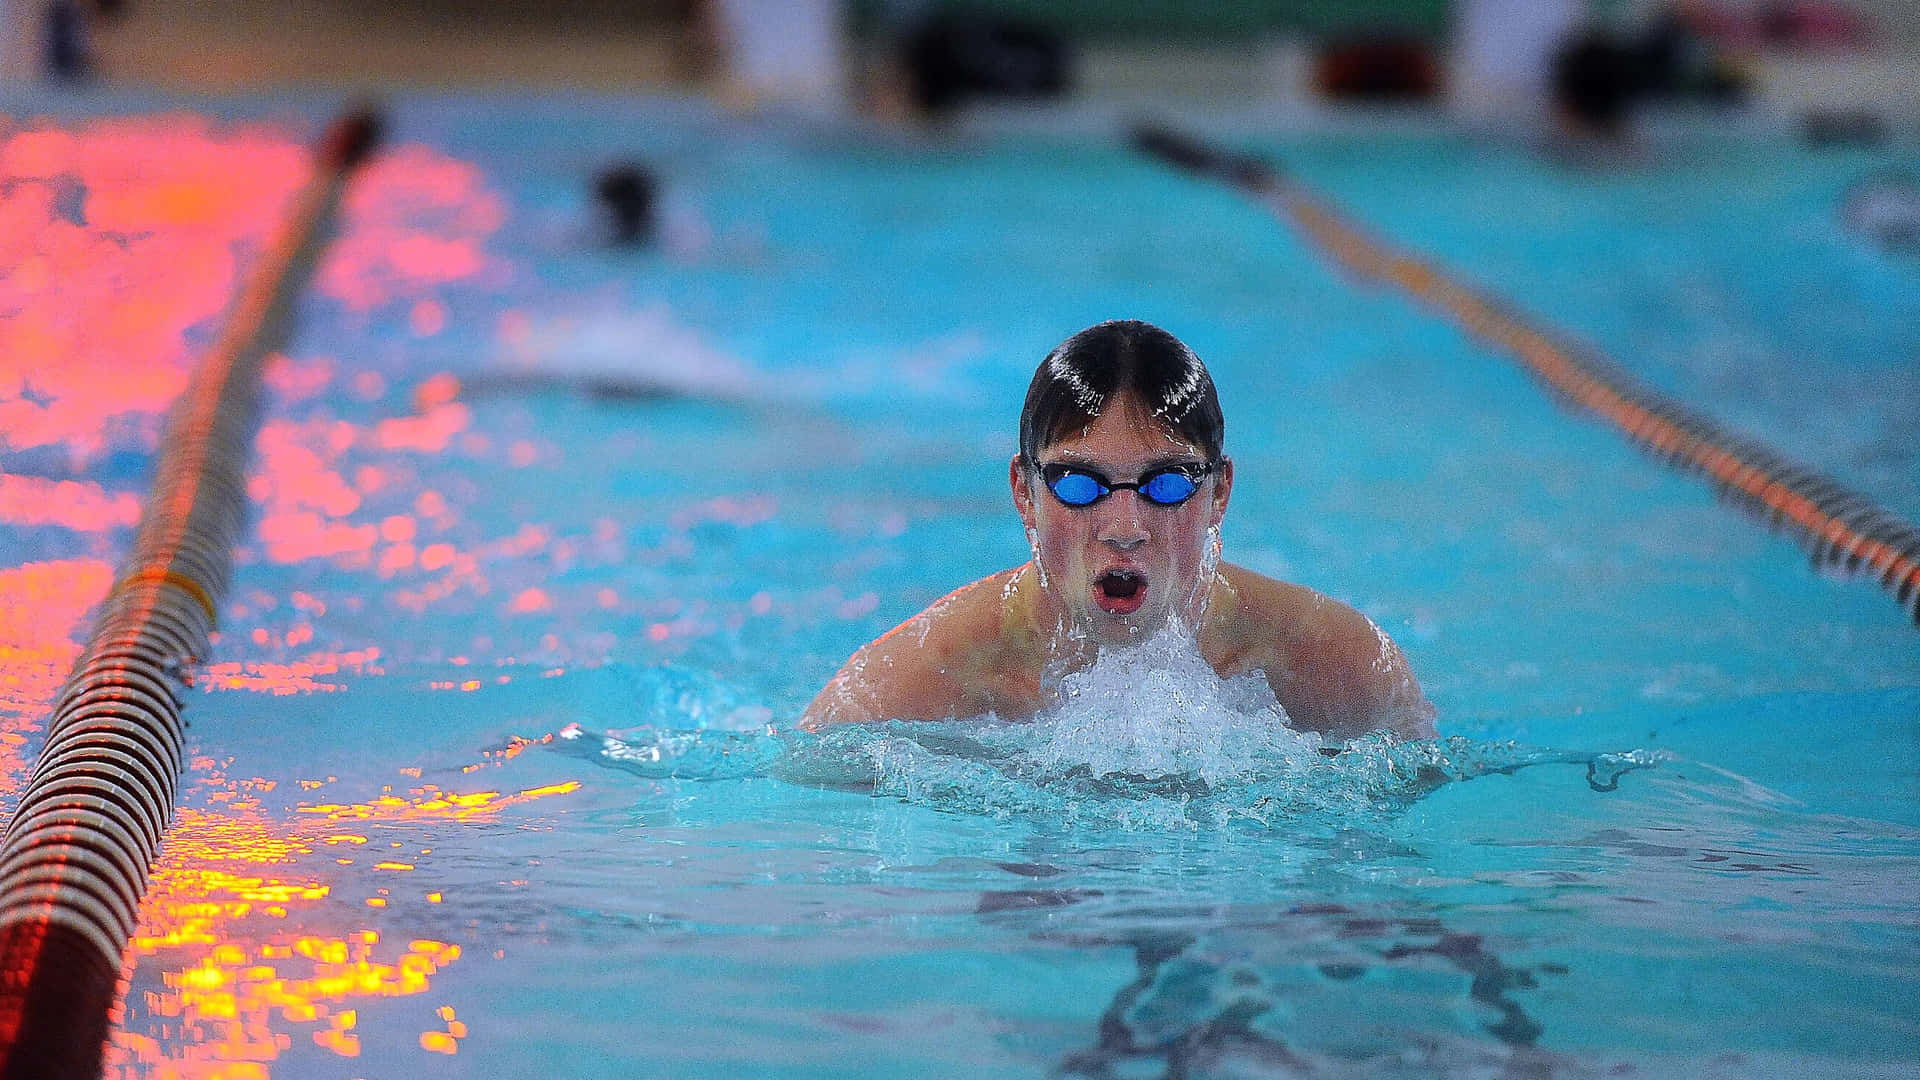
x: 881, y: 681
x: 1347, y: 677
x: 1332, y: 669
x: 940, y: 663
x: 1394, y: 699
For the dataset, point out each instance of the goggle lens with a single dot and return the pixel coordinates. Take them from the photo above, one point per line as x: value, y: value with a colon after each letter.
x: 1168, y: 488
x: 1077, y: 489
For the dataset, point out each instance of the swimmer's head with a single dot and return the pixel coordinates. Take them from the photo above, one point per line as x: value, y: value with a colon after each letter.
x: 626, y: 194
x: 1121, y: 480
x: 1088, y: 370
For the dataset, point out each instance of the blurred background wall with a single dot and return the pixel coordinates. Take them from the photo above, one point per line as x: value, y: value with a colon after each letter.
x: 218, y: 45
x: 1488, y: 61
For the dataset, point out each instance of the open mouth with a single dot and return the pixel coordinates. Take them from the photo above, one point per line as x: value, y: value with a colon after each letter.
x: 1120, y: 591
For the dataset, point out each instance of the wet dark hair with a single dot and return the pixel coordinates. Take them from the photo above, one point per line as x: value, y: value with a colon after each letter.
x: 1088, y: 370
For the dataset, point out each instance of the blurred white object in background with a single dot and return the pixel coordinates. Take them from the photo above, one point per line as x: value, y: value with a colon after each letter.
x: 614, y: 351
x: 1503, y: 57
x: 1286, y: 79
x: 1885, y: 208
x: 786, y: 52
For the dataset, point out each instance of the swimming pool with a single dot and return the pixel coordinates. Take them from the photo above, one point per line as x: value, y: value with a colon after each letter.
x: 1682, y: 837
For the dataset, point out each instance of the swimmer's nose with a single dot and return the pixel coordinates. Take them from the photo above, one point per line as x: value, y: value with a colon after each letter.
x: 1122, y: 527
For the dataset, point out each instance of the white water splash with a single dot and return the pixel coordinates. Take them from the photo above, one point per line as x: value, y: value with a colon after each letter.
x: 1159, y: 709
x: 641, y: 351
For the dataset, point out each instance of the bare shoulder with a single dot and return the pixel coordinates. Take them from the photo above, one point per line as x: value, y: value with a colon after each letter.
x: 1331, y: 667
x: 952, y: 659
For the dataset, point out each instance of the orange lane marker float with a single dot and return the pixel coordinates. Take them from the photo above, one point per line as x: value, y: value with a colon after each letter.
x: 1841, y: 529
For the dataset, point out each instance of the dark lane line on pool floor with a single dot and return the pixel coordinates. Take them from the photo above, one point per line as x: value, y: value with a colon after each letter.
x: 1841, y: 529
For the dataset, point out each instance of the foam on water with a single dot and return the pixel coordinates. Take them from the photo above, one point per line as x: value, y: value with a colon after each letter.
x: 1158, y: 709
x: 1010, y: 770
x: 1147, y: 737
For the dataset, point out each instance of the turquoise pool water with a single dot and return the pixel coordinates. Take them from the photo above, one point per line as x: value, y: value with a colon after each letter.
x: 492, y: 776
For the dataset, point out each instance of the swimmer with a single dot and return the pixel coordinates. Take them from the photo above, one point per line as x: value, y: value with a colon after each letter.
x: 1122, y: 485
x: 626, y: 193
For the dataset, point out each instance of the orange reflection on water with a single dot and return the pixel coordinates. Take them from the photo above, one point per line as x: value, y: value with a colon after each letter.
x: 310, y: 510
x: 530, y: 600
x: 418, y: 220
x: 428, y: 433
x: 297, y: 677
x: 115, y: 240
x: 302, y: 495
x: 208, y: 875
x: 120, y: 237
x: 296, y: 380
x: 121, y: 241
x: 80, y: 505
x: 431, y: 803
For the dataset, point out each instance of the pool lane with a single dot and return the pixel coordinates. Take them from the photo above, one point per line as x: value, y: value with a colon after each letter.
x: 1842, y: 529
x: 339, y: 906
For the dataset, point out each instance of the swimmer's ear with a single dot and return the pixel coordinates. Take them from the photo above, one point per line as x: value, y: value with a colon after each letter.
x: 1022, y: 492
x: 1222, y: 490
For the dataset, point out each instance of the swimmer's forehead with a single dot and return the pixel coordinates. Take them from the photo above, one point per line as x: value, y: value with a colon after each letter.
x: 1125, y: 434
x: 1075, y: 456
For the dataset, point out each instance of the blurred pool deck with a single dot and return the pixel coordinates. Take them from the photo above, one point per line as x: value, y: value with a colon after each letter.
x: 218, y: 47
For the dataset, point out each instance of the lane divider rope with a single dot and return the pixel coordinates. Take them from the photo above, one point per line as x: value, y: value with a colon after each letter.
x: 75, y: 855
x: 168, y: 576
x: 1841, y: 529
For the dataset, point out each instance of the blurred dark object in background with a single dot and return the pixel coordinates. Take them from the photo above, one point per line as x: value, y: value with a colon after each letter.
x: 1378, y: 68
x: 1679, y: 58
x: 69, y: 41
x: 1599, y: 76
x: 1843, y: 127
x: 626, y: 195
x: 1595, y: 80
x: 1885, y: 208
x: 697, y: 52
x: 952, y: 58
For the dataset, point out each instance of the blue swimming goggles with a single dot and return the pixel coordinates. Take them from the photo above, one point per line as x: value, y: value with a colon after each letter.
x: 1169, y: 485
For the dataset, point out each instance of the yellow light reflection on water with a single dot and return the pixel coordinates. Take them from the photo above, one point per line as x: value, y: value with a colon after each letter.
x: 174, y: 205
x: 230, y: 924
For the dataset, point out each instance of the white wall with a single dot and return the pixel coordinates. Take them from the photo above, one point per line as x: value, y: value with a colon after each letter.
x: 1898, y: 21
x: 1502, y: 53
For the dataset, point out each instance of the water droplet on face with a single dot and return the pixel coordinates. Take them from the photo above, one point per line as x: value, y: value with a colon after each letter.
x: 1194, y: 611
x: 1033, y: 545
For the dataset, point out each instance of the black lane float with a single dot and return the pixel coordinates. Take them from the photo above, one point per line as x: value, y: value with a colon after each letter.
x: 75, y: 855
